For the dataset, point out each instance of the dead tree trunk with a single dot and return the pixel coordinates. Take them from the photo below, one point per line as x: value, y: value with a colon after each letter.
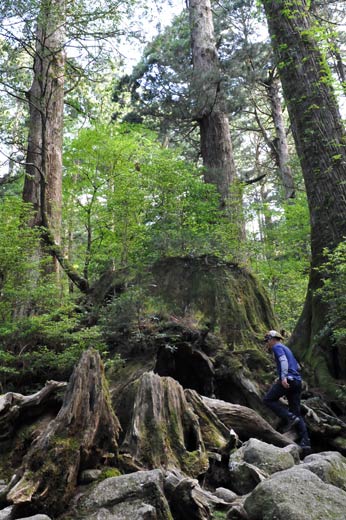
x: 164, y: 431
x: 84, y: 433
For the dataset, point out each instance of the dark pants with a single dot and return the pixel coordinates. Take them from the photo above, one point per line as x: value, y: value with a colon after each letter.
x: 271, y: 399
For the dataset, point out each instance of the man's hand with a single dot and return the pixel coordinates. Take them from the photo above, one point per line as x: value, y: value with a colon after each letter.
x: 284, y: 383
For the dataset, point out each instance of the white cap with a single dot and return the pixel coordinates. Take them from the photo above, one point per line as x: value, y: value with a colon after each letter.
x: 273, y: 334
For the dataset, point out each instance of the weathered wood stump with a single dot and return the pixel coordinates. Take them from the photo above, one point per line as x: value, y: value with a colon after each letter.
x: 164, y: 431
x: 84, y: 431
x: 215, y: 434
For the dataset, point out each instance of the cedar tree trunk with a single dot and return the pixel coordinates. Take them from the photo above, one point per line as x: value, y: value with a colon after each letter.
x: 42, y: 187
x: 321, y: 145
x: 281, y: 146
x: 216, y: 146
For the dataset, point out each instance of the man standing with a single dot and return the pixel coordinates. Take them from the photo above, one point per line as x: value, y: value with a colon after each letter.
x: 289, y: 384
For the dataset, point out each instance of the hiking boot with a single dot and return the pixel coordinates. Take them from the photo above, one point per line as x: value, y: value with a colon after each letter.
x: 291, y: 422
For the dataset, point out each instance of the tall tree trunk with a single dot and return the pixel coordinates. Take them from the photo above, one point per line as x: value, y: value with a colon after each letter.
x: 281, y: 146
x: 216, y: 145
x: 321, y: 144
x: 42, y: 186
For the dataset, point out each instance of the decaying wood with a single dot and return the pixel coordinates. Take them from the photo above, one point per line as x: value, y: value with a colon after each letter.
x: 83, y: 433
x: 164, y: 431
x: 215, y: 434
x: 246, y: 422
x: 15, y: 406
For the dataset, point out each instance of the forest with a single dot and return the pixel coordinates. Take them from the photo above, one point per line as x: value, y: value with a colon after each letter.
x: 172, y: 186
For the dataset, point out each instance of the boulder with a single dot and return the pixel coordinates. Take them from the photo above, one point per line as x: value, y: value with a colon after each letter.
x: 244, y: 477
x: 6, y: 514
x: 138, y: 496
x: 266, y: 457
x: 225, y: 494
x: 36, y: 517
x: 295, y: 494
x: 330, y: 466
x: 190, y: 502
x: 89, y: 475
x: 237, y: 512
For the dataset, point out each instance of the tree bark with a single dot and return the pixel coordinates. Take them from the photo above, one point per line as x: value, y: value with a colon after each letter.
x: 43, y: 180
x: 210, y: 112
x: 164, y: 430
x: 83, y: 434
x: 280, y: 145
x: 245, y: 421
x: 320, y: 141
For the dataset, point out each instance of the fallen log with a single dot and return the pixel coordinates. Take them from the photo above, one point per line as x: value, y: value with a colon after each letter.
x: 83, y: 434
x: 16, y: 407
x: 246, y: 422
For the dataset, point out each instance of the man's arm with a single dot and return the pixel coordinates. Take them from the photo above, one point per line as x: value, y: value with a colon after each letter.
x: 284, y: 370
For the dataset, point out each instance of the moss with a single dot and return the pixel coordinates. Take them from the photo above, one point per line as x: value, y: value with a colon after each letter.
x: 219, y: 515
x: 108, y: 473
x: 227, y: 296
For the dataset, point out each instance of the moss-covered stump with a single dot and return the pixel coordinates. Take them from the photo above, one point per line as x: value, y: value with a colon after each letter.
x: 215, y: 434
x: 224, y: 295
x: 164, y: 431
x: 84, y: 431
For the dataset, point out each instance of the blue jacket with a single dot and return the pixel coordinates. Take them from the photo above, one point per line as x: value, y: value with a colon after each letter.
x: 286, y: 364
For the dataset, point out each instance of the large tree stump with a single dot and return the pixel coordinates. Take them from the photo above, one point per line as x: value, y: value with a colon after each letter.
x: 84, y: 431
x: 17, y: 407
x: 164, y: 431
x: 246, y: 422
x: 215, y: 434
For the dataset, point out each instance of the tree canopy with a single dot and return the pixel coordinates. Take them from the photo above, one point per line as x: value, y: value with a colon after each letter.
x: 104, y: 169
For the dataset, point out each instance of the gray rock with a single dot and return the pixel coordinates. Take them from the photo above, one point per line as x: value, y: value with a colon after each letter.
x: 330, y: 466
x: 36, y: 517
x: 244, y: 477
x: 6, y: 514
x: 266, y: 457
x: 137, y: 496
x: 225, y: 494
x: 296, y: 494
x: 134, y: 510
x: 293, y: 449
x: 89, y: 475
x: 237, y: 512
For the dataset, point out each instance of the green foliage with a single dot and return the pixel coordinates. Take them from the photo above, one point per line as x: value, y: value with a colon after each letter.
x: 47, y: 345
x: 282, y: 259
x: 130, y: 201
x: 129, y: 313
x: 21, y: 287
x: 333, y: 292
